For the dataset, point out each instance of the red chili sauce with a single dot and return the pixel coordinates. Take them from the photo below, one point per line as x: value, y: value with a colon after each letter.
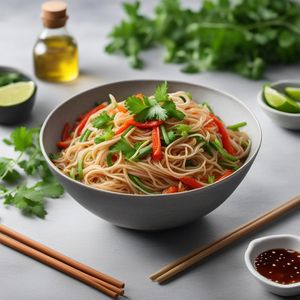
x: 279, y: 265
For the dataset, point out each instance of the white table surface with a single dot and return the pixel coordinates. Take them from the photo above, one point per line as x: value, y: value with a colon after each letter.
x: 129, y: 255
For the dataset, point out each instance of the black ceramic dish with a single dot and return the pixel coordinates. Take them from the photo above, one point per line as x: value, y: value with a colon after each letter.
x: 14, y: 114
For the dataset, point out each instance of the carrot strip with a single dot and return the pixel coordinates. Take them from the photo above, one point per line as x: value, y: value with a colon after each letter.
x: 171, y: 190
x: 125, y: 126
x: 156, y: 144
x: 191, y: 182
x: 224, y: 135
x: 227, y: 173
x: 122, y: 109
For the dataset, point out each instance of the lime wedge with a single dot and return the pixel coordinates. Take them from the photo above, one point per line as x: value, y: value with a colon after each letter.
x: 293, y: 92
x: 280, y: 101
x: 16, y: 93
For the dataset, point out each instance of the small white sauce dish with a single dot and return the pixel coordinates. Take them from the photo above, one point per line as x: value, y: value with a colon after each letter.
x: 283, y: 119
x: 260, y: 245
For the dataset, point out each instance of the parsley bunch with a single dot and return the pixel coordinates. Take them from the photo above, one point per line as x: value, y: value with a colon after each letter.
x: 158, y: 108
x: 14, y: 189
x: 243, y: 36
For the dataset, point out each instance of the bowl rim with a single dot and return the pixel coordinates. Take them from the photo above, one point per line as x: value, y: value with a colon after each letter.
x: 264, y: 105
x: 250, y: 158
x: 27, y: 77
x: 254, y: 243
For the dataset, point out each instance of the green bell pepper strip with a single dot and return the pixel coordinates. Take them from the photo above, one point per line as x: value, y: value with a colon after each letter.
x: 237, y: 126
x: 139, y: 185
x: 217, y: 145
x: 164, y: 134
x: 85, y: 135
x: 80, y: 169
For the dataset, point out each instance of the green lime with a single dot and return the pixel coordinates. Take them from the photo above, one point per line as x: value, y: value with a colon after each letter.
x: 293, y: 92
x: 280, y: 101
x: 16, y: 93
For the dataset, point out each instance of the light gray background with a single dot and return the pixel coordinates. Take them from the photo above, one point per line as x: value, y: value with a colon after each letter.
x: 129, y: 255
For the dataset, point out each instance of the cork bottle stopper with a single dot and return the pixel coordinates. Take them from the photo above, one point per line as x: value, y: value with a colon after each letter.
x: 54, y: 14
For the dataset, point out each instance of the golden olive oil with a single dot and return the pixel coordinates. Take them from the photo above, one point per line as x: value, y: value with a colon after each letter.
x: 55, y: 53
x: 56, y: 58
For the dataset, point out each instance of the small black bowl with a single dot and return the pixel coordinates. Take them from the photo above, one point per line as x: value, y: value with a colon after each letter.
x: 14, y: 114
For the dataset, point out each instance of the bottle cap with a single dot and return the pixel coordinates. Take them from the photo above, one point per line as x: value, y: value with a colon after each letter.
x: 54, y: 14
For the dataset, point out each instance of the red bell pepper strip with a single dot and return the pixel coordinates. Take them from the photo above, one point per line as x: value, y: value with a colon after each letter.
x: 191, y: 182
x: 171, y: 190
x: 146, y: 125
x: 64, y: 144
x: 226, y: 173
x: 87, y: 116
x: 65, y: 132
x: 156, y: 144
x: 224, y: 135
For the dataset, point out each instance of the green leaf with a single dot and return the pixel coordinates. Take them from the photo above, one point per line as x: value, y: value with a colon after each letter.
x: 50, y: 189
x: 156, y: 112
x: 106, y: 136
x: 161, y: 92
x: 21, y: 138
x: 122, y: 146
x: 135, y: 105
x: 172, y: 111
x: 182, y: 129
x: 102, y: 120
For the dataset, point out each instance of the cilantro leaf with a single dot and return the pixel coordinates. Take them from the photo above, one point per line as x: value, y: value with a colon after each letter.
x: 182, y: 129
x: 135, y: 105
x: 161, y: 92
x: 102, y: 120
x: 122, y: 146
x: 156, y: 112
x: 21, y: 138
x: 106, y: 136
x: 30, y: 200
x: 172, y: 111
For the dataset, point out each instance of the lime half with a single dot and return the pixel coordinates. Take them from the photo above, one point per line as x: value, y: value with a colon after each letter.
x: 280, y: 101
x: 16, y: 93
x: 293, y: 92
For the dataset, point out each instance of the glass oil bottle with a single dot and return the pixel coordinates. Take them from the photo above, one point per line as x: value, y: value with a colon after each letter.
x: 55, y: 53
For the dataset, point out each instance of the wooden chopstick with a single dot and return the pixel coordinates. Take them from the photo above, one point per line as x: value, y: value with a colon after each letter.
x: 54, y: 263
x: 200, y: 253
x: 59, y: 256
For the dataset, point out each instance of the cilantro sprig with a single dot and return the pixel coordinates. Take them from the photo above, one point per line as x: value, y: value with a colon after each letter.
x: 241, y: 36
x: 13, y: 185
x: 161, y: 107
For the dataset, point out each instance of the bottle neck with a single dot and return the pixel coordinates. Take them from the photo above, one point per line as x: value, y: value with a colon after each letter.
x: 48, y: 32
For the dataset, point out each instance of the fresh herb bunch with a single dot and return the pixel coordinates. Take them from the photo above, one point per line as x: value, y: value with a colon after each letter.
x: 243, y: 36
x: 14, y: 189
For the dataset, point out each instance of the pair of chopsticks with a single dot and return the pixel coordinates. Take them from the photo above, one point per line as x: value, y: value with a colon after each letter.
x: 169, y: 271
x: 100, y: 281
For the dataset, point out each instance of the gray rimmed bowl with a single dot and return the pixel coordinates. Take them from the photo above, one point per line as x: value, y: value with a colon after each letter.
x: 150, y: 212
x: 281, y: 118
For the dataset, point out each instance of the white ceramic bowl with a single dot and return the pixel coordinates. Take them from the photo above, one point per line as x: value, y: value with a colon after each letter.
x: 150, y: 212
x: 260, y: 245
x: 283, y: 119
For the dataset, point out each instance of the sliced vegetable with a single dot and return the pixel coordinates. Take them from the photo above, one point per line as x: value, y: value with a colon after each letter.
x: 148, y: 124
x: 171, y: 190
x: 124, y: 147
x: 165, y: 134
x: 80, y: 169
x: 224, y: 135
x: 205, y: 104
x: 126, y: 125
x: 144, y: 152
x: 237, y: 126
x: 109, y: 159
x: 65, y: 132
x: 127, y: 130
x: 191, y: 182
x: 86, y: 117
x: 139, y: 184
x: 85, y: 135
x: 210, y: 179
x: 217, y: 145
x: 63, y: 144
x: 156, y: 144
x: 73, y: 173
x: 106, y: 136
x: 182, y: 129
x: 225, y: 174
